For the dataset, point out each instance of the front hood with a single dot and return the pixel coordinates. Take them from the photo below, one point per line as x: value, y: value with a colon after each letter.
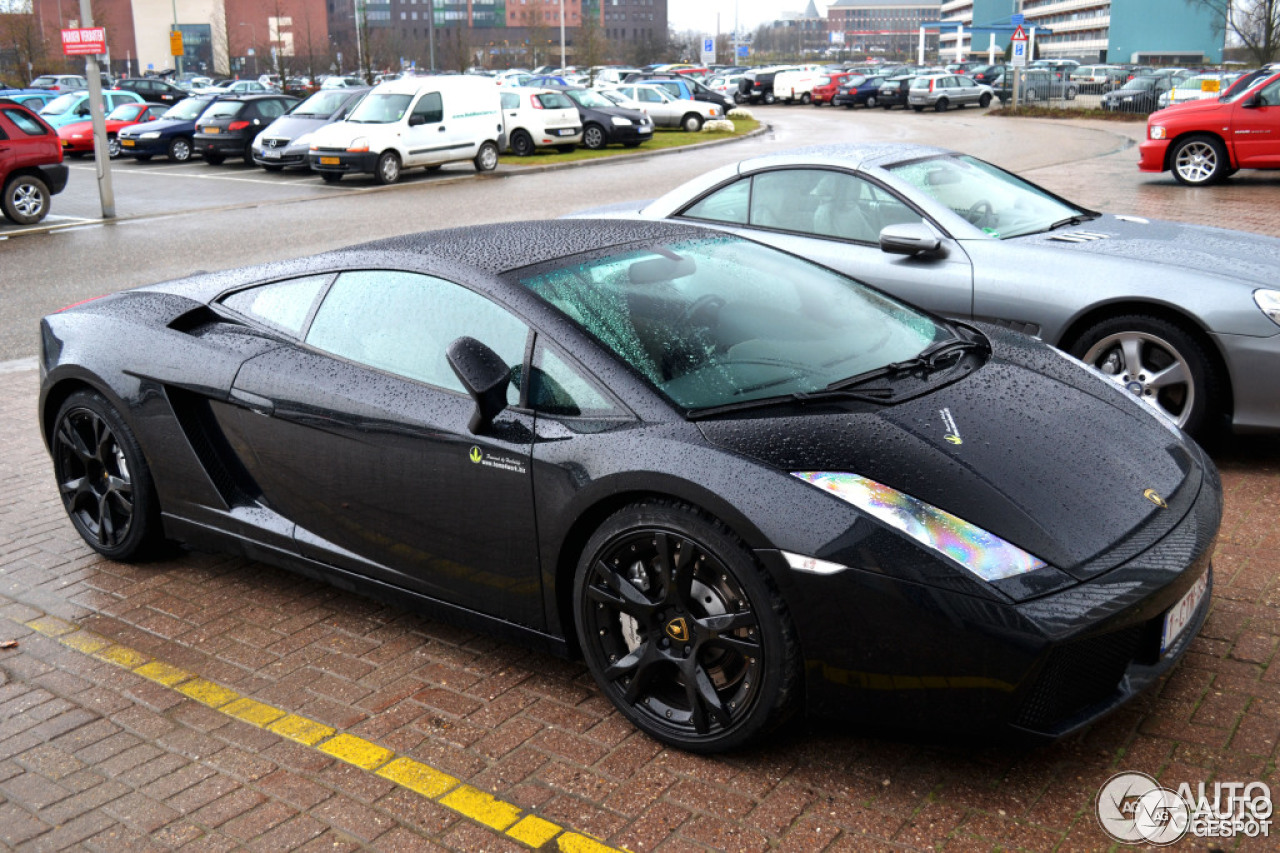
x: 293, y: 126
x: 1031, y: 447
x: 161, y: 125
x: 341, y: 133
x: 1199, y: 105
x: 1214, y: 252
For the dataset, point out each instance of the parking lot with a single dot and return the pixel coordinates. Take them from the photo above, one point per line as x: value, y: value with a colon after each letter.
x: 201, y: 702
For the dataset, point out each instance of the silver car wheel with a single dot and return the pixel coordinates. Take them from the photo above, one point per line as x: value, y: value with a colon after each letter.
x: 1196, y: 162
x: 28, y: 200
x: 1133, y: 361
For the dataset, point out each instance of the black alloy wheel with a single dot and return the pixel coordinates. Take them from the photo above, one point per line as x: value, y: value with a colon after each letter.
x: 103, y: 478
x: 682, y: 629
x: 521, y: 144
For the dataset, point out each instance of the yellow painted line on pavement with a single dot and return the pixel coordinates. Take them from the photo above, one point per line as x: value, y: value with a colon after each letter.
x: 426, y: 781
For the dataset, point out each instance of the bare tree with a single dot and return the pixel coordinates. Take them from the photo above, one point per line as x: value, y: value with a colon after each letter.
x: 591, y: 47
x: 20, y: 35
x: 1255, y: 22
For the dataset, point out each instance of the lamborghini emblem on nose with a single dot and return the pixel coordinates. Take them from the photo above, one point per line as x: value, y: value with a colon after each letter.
x: 1151, y: 495
x: 678, y: 629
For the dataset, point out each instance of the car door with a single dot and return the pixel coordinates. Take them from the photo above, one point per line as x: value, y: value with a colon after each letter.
x: 427, y: 138
x: 968, y: 89
x: 834, y: 218
x: 1255, y: 130
x: 658, y: 107
x: 358, y: 433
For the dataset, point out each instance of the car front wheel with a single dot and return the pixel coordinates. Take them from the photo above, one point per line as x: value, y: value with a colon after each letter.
x: 387, y: 170
x: 1199, y: 160
x: 593, y: 137
x: 682, y: 629
x: 26, y: 200
x: 1156, y: 361
x: 180, y: 149
x: 113, y: 147
x: 985, y: 100
x: 692, y: 123
x: 486, y: 159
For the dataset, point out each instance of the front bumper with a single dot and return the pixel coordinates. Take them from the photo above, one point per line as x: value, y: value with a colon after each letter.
x: 133, y: 146
x: 1255, y: 381
x: 1151, y: 154
x: 629, y: 133
x: 343, y: 162
x: 289, y: 155
x: 902, y: 655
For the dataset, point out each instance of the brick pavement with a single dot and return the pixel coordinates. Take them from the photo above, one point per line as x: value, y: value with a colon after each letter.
x: 95, y: 757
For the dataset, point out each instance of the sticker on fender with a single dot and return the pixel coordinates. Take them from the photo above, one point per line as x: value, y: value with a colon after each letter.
x: 1178, y: 617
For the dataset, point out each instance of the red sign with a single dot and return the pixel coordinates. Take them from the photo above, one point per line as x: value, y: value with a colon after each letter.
x: 84, y: 41
x: 1019, y: 34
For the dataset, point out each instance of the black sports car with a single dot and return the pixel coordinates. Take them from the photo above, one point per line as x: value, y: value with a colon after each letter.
x: 736, y: 482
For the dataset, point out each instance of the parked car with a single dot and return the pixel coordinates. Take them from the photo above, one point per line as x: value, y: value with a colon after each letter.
x: 965, y: 532
x: 825, y: 88
x: 77, y: 137
x: 987, y: 73
x: 74, y: 106
x: 31, y: 167
x: 666, y: 111
x: 414, y: 122
x: 1183, y: 317
x: 605, y: 123
x: 756, y: 85
x: 60, y: 82
x: 727, y: 86
x: 230, y: 124
x: 286, y: 141
x: 152, y: 90
x: 1139, y: 95
x: 336, y: 81
x: 941, y: 91
x: 539, y: 118
x: 169, y: 136
x: 895, y: 91
x: 687, y: 87
x: 1196, y: 87
x: 1099, y: 78
x: 236, y: 87
x: 859, y: 90
x: 1038, y: 86
x: 796, y: 84
x: 32, y: 99
x: 1206, y: 141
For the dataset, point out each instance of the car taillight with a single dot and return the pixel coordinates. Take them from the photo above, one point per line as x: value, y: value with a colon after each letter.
x: 238, y: 125
x: 930, y: 85
x: 537, y: 103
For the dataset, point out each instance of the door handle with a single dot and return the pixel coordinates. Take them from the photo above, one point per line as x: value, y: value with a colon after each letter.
x: 441, y: 128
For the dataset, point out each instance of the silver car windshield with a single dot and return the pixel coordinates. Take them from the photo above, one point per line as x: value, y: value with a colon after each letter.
x: 1001, y: 204
x: 718, y: 321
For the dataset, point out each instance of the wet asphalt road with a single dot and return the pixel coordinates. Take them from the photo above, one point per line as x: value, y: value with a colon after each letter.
x: 176, y: 219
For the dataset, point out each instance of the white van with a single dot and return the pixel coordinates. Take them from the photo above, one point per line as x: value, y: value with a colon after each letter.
x: 796, y: 84
x: 416, y: 121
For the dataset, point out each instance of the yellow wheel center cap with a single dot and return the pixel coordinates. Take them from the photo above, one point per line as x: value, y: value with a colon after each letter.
x: 678, y: 629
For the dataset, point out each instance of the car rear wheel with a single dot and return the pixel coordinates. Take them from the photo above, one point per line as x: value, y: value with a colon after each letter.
x: 113, y: 147
x: 806, y: 99
x: 1158, y: 362
x: 593, y: 137
x: 26, y: 200
x: 521, y: 144
x: 104, y: 479
x: 179, y: 149
x: 984, y: 101
x: 387, y: 170
x: 486, y: 159
x: 1199, y: 160
x: 769, y: 98
x: 1071, y: 93
x: 871, y: 102
x: 683, y: 630
x: 692, y: 123
x: 941, y: 105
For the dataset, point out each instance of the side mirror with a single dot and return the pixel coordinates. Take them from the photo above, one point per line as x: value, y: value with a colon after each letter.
x: 1253, y: 103
x: 417, y: 119
x: 485, y: 376
x: 909, y: 239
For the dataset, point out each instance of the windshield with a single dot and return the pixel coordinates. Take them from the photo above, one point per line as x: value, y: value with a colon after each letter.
x: 322, y: 104
x: 1140, y: 83
x: 61, y: 104
x: 380, y: 108
x: 126, y: 112
x: 1001, y: 204
x: 223, y: 109
x: 588, y: 98
x: 714, y: 321
x: 187, y: 109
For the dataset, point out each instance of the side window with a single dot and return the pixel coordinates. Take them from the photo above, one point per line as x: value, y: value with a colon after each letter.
x: 431, y: 107
x: 25, y: 123
x: 284, y: 305
x: 510, y: 101
x: 1269, y: 96
x: 557, y: 388
x: 271, y: 109
x: 403, y: 322
x: 787, y: 199
x: 727, y: 204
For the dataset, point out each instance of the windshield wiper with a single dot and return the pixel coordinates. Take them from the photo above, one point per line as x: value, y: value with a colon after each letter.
x: 929, y: 359
x: 876, y: 396
x: 1071, y: 220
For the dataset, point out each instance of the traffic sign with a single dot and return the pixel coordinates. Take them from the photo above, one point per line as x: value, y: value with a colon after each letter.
x: 708, y: 50
x: 1017, y: 20
x: 84, y: 41
x: 1019, y: 34
x: 1018, y: 58
x: 175, y: 43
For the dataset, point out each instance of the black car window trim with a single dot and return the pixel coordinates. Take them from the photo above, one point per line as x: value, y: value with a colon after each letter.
x: 541, y: 341
x: 217, y: 304
x: 750, y: 176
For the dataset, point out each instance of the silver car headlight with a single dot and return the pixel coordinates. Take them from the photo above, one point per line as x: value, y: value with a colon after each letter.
x: 979, y: 552
x: 620, y: 121
x: 1269, y: 302
x: 150, y: 134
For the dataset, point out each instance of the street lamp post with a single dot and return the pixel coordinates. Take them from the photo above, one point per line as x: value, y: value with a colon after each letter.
x: 177, y: 60
x: 562, y: 60
x: 253, y: 31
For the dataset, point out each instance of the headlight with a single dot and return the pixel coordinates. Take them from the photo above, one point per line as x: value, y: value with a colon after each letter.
x: 150, y: 134
x: 974, y: 549
x: 1156, y: 131
x: 358, y: 145
x: 1269, y: 302
x: 620, y: 121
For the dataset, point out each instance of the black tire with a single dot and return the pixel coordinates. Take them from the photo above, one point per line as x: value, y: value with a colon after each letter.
x: 669, y: 604
x: 871, y: 102
x: 387, y: 169
x: 26, y: 200
x: 769, y: 97
x: 691, y: 123
x: 1164, y: 349
x: 331, y: 177
x: 104, y: 479
x: 806, y: 99
x: 114, y: 149
x: 1199, y: 160
x: 486, y: 159
x: 917, y: 109
x: 593, y: 137
x: 941, y: 105
x: 566, y: 149
x: 521, y: 144
x: 984, y: 101
x: 214, y: 159
x: 179, y: 150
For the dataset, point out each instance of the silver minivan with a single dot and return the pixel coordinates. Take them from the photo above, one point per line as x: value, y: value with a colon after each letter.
x: 941, y: 91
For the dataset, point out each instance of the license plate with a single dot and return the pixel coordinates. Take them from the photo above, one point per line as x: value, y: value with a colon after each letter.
x: 564, y: 132
x: 1176, y: 620
x: 270, y: 154
x: 127, y: 143
x: 645, y: 130
x: 329, y: 161
x: 211, y: 130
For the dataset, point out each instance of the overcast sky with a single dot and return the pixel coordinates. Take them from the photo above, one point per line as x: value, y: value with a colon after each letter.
x: 701, y: 14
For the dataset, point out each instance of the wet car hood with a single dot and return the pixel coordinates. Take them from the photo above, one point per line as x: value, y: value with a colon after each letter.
x: 1031, y: 447
x: 1187, y: 248
x: 291, y: 126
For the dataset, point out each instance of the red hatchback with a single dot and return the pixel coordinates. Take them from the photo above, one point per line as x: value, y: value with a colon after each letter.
x: 826, y: 88
x: 31, y: 168
x: 1206, y: 141
x: 77, y: 138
